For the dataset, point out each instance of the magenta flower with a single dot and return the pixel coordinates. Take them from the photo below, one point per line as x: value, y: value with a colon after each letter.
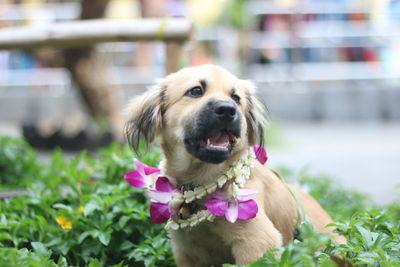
x: 261, y: 154
x: 165, y: 200
x: 143, y: 176
x: 237, y: 204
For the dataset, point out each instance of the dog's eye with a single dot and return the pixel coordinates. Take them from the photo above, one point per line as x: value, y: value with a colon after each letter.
x: 236, y: 98
x: 195, y: 92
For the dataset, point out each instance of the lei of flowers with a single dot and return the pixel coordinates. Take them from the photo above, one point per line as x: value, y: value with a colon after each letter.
x: 227, y: 197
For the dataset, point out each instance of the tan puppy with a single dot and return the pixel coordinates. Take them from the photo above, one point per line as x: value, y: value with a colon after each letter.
x: 205, y: 119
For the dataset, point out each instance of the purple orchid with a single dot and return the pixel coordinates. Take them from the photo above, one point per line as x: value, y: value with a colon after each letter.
x: 165, y: 200
x: 261, y: 154
x: 143, y: 176
x: 234, y: 204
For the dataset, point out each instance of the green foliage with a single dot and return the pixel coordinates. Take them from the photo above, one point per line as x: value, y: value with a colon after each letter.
x: 111, y: 214
x: 11, y: 257
x: 18, y: 163
x: 101, y: 219
x: 340, y: 202
x: 238, y: 13
x: 80, y: 212
x: 274, y: 135
x: 373, y: 239
x: 305, y: 253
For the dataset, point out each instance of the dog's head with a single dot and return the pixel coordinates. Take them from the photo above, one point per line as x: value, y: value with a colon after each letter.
x: 205, y: 111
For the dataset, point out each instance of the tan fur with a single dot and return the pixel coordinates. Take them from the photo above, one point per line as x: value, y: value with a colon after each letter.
x: 212, y: 244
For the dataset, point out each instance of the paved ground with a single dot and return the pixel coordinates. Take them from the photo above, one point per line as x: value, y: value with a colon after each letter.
x: 361, y: 156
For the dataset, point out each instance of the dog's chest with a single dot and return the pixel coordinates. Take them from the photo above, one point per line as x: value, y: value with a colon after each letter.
x: 204, y: 245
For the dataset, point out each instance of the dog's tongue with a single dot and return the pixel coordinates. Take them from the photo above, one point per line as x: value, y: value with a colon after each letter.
x: 219, y: 138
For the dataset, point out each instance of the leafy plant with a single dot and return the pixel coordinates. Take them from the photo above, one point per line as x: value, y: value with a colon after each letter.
x: 18, y: 163
x: 80, y: 212
x: 11, y: 257
x: 83, y: 211
x: 340, y: 202
x: 373, y: 239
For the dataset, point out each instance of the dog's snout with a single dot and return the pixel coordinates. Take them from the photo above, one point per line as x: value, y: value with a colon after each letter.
x: 225, y: 111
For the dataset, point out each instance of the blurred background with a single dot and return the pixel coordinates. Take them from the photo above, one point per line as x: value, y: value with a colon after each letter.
x: 328, y: 71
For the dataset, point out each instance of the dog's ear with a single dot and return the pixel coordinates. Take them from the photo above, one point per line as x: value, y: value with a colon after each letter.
x: 145, y: 116
x: 255, y: 115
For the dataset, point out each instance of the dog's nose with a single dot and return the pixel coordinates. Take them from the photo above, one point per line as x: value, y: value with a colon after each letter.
x: 225, y: 111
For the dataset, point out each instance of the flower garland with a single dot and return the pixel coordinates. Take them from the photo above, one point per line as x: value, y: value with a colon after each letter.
x: 226, y: 199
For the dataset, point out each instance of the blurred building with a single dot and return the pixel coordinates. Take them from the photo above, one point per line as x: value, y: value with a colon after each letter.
x: 311, y: 59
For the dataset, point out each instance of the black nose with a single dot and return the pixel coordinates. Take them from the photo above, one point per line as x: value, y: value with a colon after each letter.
x: 225, y: 111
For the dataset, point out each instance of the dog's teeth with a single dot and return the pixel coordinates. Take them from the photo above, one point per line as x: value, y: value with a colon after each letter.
x: 217, y: 147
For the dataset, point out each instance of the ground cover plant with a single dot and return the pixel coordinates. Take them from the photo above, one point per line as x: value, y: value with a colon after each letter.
x: 80, y: 212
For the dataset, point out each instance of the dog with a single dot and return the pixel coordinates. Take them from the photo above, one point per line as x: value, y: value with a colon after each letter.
x: 205, y: 119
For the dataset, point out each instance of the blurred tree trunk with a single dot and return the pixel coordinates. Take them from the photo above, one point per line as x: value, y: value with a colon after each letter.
x: 144, y: 55
x: 91, y: 76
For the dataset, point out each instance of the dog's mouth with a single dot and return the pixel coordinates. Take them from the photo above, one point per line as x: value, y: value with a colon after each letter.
x: 214, y: 133
x: 214, y: 147
x: 220, y: 140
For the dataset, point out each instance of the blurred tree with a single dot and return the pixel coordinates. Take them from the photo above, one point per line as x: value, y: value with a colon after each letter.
x: 239, y: 16
x: 144, y: 56
x: 91, y: 76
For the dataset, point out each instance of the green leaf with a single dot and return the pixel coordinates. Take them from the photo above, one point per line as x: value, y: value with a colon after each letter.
x: 93, y: 233
x: 40, y: 248
x: 62, y: 206
x: 83, y: 237
x: 95, y: 263
x: 105, y: 237
x: 367, y: 236
x: 62, y: 262
x: 91, y: 207
x: 5, y: 236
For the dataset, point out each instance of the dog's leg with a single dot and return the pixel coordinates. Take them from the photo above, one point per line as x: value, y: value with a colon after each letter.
x: 182, y: 259
x: 251, y: 239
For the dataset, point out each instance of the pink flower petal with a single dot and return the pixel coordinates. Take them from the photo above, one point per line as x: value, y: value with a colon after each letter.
x: 221, y: 195
x: 159, y: 196
x: 232, y: 213
x: 146, y: 170
x: 159, y: 213
x: 143, y: 176
x: 246, y: 194
x: 164, y: 185
x: 261, y: 154
x: 134, y: 178
x: 151, y: 170
x: 217, y: 207
x: 247, y: 210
